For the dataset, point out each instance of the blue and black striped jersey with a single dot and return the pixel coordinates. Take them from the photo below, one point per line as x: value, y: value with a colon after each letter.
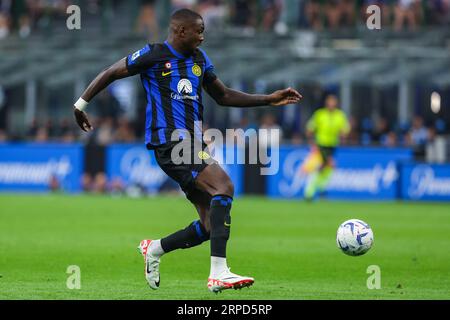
x: 173, y: 83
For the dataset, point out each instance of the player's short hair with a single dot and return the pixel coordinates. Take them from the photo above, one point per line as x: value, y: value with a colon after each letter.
x: 185, y: 15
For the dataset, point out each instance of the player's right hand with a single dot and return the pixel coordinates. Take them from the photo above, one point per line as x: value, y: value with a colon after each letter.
x: 82, y: 120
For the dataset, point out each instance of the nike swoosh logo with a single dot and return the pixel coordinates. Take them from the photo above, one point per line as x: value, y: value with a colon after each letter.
x: 166, y: 73
x: 227, y: 224
x: 148, y: 271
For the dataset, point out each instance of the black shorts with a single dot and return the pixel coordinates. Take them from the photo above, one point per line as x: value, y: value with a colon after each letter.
x: 187, y: 162
x: 327, y: 153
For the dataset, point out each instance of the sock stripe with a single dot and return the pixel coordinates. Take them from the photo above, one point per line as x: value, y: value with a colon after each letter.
x: 221, y: 200
x: 199, y: 231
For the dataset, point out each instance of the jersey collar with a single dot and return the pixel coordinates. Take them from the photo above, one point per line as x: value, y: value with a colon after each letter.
x: 175, y: 52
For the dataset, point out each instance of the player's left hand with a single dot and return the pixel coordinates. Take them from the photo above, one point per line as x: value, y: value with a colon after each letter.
x: 284, y: 97
x: 82, y: 120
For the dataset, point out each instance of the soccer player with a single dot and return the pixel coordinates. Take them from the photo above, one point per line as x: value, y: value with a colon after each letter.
x: 328, y: 125
x: 173, y: 74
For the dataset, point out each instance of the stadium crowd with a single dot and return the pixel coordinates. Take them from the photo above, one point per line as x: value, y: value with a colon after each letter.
x: 23, y: 17
x: 426, y: 140
x: 112, y: 125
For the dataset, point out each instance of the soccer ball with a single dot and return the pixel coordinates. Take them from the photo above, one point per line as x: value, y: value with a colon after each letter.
x: 354, y: 237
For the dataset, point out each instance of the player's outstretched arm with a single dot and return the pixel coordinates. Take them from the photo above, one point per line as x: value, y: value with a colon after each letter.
x: 116, y: 71
x: 225, y: 96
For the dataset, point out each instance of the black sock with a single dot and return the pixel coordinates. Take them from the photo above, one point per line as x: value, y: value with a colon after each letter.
x: 191, y: 236
x: 220, y: 224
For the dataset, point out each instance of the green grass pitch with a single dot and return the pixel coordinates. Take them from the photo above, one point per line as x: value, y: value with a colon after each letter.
x: 287, y: 246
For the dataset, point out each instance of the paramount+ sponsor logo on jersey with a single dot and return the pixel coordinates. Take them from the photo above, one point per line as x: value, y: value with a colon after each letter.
x: 185, y: 91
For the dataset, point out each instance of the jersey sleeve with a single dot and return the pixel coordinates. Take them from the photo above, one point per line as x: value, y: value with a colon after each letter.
x: 210, y: 76
x: 140, y: 60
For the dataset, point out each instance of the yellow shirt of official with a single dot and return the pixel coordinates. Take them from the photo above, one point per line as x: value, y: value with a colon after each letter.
x: 328, y: 125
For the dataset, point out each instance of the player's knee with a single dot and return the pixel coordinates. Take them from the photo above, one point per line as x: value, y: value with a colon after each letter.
x: 226, y: 188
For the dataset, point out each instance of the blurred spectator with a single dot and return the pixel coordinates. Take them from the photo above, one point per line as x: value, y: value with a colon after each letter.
x: 417, y: 137
x: 391, y: 139
x: 124, y: 133
x: 438, y: 12
x: 183, y: 4
x: 381, y: 131
x: 4, y: 25
x: 24, y: 26
x: 272, y: 10
x: 269, y: 122
x: 418, y: 134
x: 354, y: 135
x: 41, y: 135
x: 86, y: 182
x: 54, y: 184
x: 117, y: 186
x: 32, y: 130
x: 169, y: 187
x: 65, y: 127
x: 435, y: 151
x: 347, y: 12
x: 51, y: 129
x: 68, y: 137
x: 213, y: 12
x: 313, y: 12
x: 24, y: 17
x: 297, y: 139
x: 333, y: 13
x: 243, y: 14
x: 340, y: 13
x: 366, y: 131
x: 3, y: 136
x: 105, y: 132
x: 100, y: 183
x: 407, y: 12
x: 147, y: 22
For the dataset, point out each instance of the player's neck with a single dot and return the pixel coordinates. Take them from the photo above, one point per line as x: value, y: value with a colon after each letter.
x: 178, y: 47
